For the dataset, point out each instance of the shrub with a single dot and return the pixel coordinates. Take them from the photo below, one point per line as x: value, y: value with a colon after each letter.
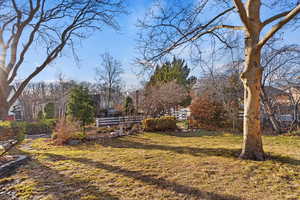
x: 186, y: 124
x: 6, y: 133
x: 33, y: 128
x: 293, y: 133
x: 207, y: 112
x: 11, y: 130
x: 18, y: 130
x: 5, y: 124
x: 165, y: 123
x: 64, y: 131
x: 79, y: 135
x: 149, y: 124
x: 50, y: 123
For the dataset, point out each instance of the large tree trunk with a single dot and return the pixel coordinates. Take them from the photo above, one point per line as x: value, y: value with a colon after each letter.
x: 3, y: 110
x: 270, y: 112
x: 251, y: 77
x: 109, y: 97
x: 4, y: 92
x: 252, y: 146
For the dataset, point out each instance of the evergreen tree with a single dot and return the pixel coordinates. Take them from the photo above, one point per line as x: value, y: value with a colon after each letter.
x: 176, y: 70
x: 129, y: 107
x: 49, y: 111
x: 40, y: 115
x: 80, y: 106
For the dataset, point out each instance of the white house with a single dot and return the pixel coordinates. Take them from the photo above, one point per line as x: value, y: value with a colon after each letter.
x: 16, y: 111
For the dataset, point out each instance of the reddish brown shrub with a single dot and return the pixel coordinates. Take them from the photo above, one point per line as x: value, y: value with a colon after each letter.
x: 207, y: 113
x: 64, y: 131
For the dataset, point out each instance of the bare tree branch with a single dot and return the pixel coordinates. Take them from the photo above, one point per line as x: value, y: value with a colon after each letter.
x: 274, y: 18
x: 51, y: 25
x: 242, y: 12
x: 279, y: 25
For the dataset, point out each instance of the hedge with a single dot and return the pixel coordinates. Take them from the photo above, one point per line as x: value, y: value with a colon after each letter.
x: 30, y: 128
x: 165, y: 123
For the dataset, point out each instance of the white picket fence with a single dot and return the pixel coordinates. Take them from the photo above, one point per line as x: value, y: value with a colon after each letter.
x: 241, y: 114
x: 109, y: 121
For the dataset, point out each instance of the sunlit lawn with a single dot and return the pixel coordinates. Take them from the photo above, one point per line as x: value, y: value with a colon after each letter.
x: 159, y: 166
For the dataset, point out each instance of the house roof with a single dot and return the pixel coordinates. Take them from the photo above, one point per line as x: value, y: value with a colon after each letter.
x: 272, y: 91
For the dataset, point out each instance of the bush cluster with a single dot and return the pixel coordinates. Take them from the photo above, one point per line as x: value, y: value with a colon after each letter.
x: 31, y: 128
x: 165, y: 123
x: 207, y: 113
x: 293, y: 133
x: 67, y: 130
x: 18, y: 130
x: 5, y: 124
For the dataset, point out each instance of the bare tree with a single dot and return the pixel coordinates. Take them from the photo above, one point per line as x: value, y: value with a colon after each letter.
x: 109, y: 76
x: 160, y: 99
x: 294, y: 94
x: 278, y: 63
x: 184, y: 24
x: 32, y: 98
x: 37, y: 94
x: 291, y: 86
x: 226, y: 87
x: 52, y: 25
x: 294, y: 97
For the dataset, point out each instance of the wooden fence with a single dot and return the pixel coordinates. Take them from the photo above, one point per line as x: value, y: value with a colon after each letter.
x: 109, y: 121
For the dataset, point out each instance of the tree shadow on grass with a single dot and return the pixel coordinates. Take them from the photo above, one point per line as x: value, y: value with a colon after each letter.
x: 195, y: 151
x: 199, y: 133
x: 61, y: 186
x: 284, y: 159
x: 161, y: 183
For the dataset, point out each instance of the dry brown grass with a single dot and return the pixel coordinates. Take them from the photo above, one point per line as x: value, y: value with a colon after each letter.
x: 159, y: 166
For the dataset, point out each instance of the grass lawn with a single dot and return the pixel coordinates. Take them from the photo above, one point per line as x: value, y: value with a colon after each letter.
x: 158, y: 166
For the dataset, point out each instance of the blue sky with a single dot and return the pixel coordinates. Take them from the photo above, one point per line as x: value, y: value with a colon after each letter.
x: 120, y: 44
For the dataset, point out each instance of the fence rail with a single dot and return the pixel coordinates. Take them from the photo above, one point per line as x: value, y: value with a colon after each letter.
x: 108, y: 121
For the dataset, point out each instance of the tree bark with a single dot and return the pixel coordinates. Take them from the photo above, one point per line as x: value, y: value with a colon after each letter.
x: 251, y: 77
x: 252, y: 145
x: 3, y: 110
x: 4, y: 92
x: 109, y: 97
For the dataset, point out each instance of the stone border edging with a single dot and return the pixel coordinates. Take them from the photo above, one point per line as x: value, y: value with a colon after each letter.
x: 9, y: 167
